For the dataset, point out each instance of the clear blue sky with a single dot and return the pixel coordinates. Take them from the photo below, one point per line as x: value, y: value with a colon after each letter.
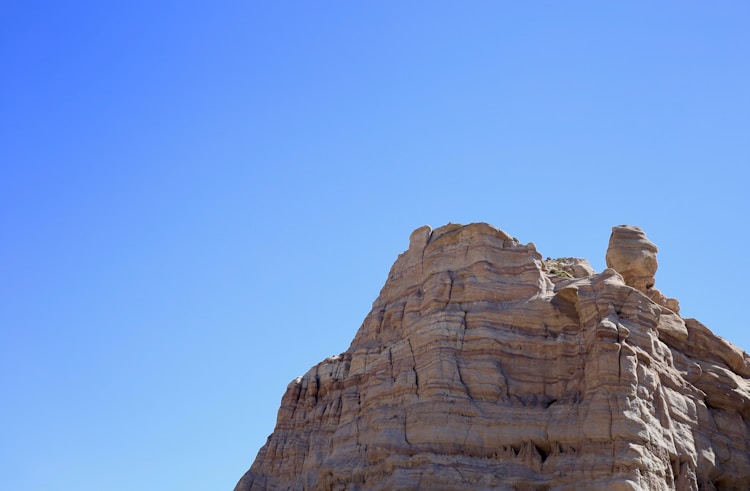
x: 201, y: 200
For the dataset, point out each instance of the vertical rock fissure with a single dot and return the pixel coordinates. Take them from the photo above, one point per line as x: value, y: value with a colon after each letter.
x: 406, y: 427
x: 414, y: 368
x: 390, y: 364
x: 424, y: 249
x: 461, y: 334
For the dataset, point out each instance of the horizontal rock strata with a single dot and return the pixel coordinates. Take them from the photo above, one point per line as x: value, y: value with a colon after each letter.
x: 482, y: 366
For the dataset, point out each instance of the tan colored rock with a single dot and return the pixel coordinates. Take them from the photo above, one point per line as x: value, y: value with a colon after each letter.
x: 564, y: 268
x: 479, y: 368
x: 632, y: 255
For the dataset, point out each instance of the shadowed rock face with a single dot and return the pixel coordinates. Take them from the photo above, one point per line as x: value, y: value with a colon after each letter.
x: 481, y: 366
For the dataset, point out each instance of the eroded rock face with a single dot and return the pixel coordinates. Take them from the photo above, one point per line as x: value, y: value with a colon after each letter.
x: 632, y: 255
x: 480, y: 368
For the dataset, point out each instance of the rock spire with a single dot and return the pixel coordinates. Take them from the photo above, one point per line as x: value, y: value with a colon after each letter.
x: 632, y: 255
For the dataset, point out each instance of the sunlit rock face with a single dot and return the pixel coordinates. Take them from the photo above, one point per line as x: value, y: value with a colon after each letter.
x: 632, y: 255
x: 483, y: 366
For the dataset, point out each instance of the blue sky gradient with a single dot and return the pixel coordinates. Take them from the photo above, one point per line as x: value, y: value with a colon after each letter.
x: 199, y: 201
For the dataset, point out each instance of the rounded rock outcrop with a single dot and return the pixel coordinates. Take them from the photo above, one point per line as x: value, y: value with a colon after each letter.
x: 632, y: 255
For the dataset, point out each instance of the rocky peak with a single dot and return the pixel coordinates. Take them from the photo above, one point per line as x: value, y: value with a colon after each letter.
x: 482, y: 366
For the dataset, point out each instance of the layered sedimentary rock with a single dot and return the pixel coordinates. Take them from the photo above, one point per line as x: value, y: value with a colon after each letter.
x: 483, y: 366
x: 632, y: 255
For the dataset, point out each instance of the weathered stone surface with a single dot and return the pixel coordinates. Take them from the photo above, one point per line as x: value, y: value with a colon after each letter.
x: 568, y: 267
x: 481, y: 368
x: 633, y: 256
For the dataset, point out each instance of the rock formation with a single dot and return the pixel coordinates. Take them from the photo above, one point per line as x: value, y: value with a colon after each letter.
x: 632, y: 255
x: 483, y: 366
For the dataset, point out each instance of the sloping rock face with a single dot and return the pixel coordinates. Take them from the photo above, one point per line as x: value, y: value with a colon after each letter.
x: 482, y: 366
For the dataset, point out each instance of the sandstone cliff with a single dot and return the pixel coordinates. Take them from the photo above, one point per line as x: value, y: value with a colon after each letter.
x: 482, y: 366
